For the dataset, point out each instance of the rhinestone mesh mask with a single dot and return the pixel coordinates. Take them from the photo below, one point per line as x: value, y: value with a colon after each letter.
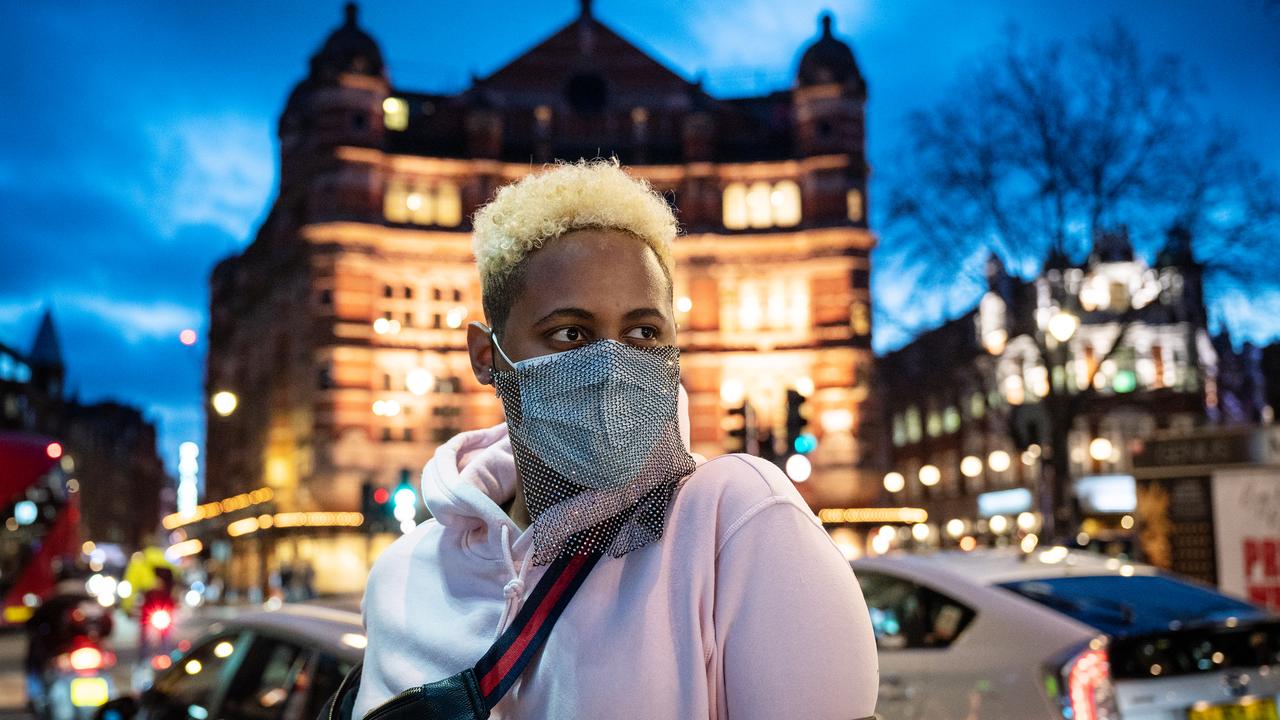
x: 596, y: 438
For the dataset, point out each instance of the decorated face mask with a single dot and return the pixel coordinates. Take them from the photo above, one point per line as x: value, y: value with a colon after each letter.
x: 596, y: 437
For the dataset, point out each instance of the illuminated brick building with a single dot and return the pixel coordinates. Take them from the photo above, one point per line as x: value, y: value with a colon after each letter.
x: 341, y: 328
x: 968, y: 423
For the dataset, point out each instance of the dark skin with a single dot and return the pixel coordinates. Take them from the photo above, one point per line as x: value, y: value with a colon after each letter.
x: 583, y: 286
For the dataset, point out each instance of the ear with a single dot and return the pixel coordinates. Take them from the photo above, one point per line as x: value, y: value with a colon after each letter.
x: 480, y: 348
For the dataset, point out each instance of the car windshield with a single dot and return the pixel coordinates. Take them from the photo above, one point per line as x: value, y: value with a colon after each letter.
x: 1120, y: 605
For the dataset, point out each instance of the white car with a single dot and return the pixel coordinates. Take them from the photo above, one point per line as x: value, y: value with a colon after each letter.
x: 1063, y: 635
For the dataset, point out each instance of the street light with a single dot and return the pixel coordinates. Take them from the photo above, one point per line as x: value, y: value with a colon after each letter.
x: 971, y: 466
x: 930, y: 475
x: 225, y: 402
x: 998, y: 460
x: 1100, y: 449
x: 1063, y: 325
x: 894, y: 482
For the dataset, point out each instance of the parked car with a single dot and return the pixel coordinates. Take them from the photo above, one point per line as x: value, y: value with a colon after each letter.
x: 1066, y: 635
x: 265, y: 665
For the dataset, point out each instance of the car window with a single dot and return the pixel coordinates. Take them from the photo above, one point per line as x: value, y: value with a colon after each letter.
x: 188, y: 688
x: 907, y: 615
x: 317, y: 683
x: 1131, y: 605
x: 264, y: 681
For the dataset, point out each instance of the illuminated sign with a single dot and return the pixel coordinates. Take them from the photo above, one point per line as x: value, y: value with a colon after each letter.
x: 1004, y: 502
x: 1107, y: 493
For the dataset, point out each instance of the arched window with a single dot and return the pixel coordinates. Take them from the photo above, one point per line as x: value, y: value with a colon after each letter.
x: 448, y: 205
x: 395, y: 202
x: 735, y: 206
x: 786, y: 203
x: 759, y: 205
x: 395, y: 113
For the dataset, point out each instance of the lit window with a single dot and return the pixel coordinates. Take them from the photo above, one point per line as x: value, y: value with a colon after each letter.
x: 786, y: 203
x: 759, y: 205
x: 448, y: 205
x: 395, y: 113
x: 735, y: 206
x: 421, y: 207
x: 860, y: 318
x: 899, y: 431
x: 395, y: 205
x: 913, y: 425
x: 853, y: 200
x: 933, y: 424
x: 950, y: 419
x: 977, y: 405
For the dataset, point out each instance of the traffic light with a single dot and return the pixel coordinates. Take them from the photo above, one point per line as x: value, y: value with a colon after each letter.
x: 799, y: 441
x: 404, y: 503
x: 374, y: 504
x: 739, y: 425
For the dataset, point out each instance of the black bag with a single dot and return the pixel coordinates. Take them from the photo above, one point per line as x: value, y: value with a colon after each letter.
x: 472, y: 693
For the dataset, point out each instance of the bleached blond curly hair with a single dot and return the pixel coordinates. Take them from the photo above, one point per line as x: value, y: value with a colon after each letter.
x: 566, y: 196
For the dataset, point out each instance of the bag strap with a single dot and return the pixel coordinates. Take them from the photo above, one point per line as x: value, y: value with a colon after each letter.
x: 499, y: 668
x: 475, y: 691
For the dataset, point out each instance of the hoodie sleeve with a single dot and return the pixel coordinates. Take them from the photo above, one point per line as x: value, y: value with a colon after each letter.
x: 793, y: 633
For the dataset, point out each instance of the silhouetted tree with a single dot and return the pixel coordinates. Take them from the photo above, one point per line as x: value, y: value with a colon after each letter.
x: 1038, y: 148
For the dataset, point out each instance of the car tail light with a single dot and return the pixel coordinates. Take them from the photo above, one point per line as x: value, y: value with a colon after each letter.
x: 161, y: 619
x: 1081, y: 683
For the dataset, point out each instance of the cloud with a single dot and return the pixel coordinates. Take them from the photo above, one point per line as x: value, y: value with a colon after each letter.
x: 209, y: 170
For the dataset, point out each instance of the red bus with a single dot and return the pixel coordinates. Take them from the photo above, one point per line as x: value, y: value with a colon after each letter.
x: 40, y: 513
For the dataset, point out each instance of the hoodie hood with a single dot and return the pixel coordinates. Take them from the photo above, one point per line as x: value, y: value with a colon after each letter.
x: 474, y: 473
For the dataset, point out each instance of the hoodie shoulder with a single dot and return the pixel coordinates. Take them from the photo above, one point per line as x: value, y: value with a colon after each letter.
x: 734, y: 488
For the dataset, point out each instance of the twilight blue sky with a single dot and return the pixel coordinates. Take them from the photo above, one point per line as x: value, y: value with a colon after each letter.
x: 138, y: 138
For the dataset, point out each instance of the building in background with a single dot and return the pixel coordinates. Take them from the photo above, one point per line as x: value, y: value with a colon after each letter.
x: 969, y: 406
x: 109, y: 449
x: 340, y: 331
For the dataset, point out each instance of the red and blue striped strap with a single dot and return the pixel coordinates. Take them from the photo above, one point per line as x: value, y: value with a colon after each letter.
x: 497, y: 671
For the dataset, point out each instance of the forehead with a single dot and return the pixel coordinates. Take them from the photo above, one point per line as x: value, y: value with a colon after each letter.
x: 594, y: 267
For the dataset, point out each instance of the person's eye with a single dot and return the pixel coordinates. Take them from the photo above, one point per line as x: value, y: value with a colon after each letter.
x: 571, y: 334
x: 644, y: 332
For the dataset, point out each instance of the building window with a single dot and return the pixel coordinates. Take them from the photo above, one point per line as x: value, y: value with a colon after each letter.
x: 388, y: 291
x: 913, y: 424
x: 421, y: 204
x: 761, y: 205
x: 933, y: 424
x: 324, y: 378
x: 326, y: 297
x: 408, y: 434
x: 386, y: 381
x: 386, y: 434
x: 977, y: 405
x: 408, y: 319
x: 853, y: 203
x: 950, y: 419
x: 395, y: 113
x: 435, y: 321
x: 785, y: 200
x: 457, y: 295
x: 735, y: 206
x: 408, y: 293
x: 899, y: 431
x: 436, y: 294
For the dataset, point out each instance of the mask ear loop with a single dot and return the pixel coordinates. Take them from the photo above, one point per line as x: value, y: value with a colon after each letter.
x: 493, y: 338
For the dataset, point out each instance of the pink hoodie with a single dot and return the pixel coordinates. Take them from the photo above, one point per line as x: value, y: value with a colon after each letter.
x: 743, y: 610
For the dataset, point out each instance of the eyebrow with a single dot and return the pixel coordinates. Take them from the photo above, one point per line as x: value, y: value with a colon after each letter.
x: 572, y: 312
x: 588, y: 316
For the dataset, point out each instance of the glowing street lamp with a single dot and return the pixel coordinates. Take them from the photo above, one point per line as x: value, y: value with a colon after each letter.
x: 894, y: 482
x: 225, y: 402
x: 1063, y: 325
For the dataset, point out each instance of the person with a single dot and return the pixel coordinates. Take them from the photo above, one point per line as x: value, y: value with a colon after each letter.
x: 717, y: 595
